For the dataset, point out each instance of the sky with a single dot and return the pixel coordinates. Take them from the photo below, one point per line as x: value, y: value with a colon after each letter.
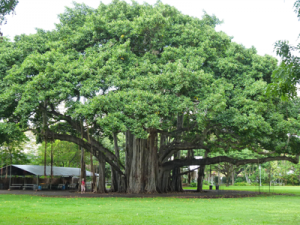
x: 258, y: 23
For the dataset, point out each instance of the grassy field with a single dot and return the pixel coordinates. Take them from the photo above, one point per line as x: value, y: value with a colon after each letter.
x: 273, y: 189
x: 26, y: 209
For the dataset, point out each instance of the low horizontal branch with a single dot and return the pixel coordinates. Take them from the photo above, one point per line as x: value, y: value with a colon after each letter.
x: 189, y: 171
x: 170, y: 165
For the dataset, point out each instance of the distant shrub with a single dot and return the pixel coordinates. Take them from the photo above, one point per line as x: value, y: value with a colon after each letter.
x: 193, y: 184
x: 206, y: 182
x: 240, y: 179
x: 241, y: 184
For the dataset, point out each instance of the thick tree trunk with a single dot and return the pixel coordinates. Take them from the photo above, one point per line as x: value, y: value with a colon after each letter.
x: 128, y: 155
x: 114, y: 180
x: 118, y: 182
x: 163, y: 177
x: 136, y: 178
x: 45, y: 133
x: 218, y: 175
x: 227, y: 179
x: 200, y: 178
x: 201, y: 175
x: 163, y: 181
x: 122, y: 185
x: 190, y: 155
x: 176, y: 184
x: 82, y: 162
x: 93, y: 172
x: 51, y: 164
x: 144, y: 166
x: 151, y: 169
x: 101, y: 184
x: 45, y: 158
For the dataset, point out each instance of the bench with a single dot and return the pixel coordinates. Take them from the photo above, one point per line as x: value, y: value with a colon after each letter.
x: 61, y: 186
x: 30, y: 186
x: 19, y: 186
x: 72, y: 186
x: 44, y: 186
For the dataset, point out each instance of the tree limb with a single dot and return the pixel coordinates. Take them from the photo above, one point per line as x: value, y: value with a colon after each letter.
x: 170, y: 165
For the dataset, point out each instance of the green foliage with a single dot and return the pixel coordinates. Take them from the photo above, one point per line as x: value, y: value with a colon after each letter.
x: 138, y: 67
x: 291, y: 179
x: 6, y: 7
x: 11, y: 145
x: 65, y: 154
x: 286, y: 76
x: 241, y: 184
x: 12, y: 153
x: 193, y: 184
x: 10, y: 132
x: 205, y: 182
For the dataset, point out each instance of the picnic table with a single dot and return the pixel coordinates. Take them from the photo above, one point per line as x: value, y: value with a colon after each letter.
x: 30, y: 186
x: 19, y: 186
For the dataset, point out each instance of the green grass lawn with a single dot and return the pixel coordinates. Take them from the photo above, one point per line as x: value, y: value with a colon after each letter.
x: 273, y: 189
x: 26, y: 209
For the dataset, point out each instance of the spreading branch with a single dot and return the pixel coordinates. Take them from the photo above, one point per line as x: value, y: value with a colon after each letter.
x: 170, y: 165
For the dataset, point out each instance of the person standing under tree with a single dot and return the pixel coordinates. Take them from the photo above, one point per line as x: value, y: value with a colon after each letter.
x: 82, y: 186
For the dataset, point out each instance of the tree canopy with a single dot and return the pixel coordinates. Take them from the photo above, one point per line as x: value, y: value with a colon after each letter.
x: 6, y: 7
x: 286, y: 76
x: 155, y: 75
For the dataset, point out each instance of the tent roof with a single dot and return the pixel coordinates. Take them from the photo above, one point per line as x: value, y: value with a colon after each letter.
x: 57, y: 171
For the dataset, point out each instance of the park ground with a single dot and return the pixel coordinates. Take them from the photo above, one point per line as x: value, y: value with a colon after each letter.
x: 262, y: 209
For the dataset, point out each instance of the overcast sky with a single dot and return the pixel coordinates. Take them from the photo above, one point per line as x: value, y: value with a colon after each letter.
x: 258, y: 23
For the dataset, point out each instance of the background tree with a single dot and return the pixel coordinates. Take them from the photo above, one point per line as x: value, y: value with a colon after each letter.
x: 6, y: 7
x: 287, y: 75
x: 12, y: 141
x: 65, y: 154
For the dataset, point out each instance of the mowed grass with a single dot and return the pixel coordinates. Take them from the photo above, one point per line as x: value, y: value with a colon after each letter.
x: 26, y: 209
x: 273, y: 189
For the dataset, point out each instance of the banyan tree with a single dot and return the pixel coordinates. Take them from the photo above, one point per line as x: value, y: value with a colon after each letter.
x: 166, y: 81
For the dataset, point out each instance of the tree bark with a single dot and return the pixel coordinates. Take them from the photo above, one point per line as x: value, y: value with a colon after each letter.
x: 82, y: 162
x: 163, y: 177
x: 95, y: 147
x: 144, y: 165
x: 114, y: 180
x: 189, y: 156
x: 136, y: 178
x: 114, y: 176
x: 201, y: 175
x: 218, y: 175
x: 176, y: 184
x: 163, y: 181
x: 118, y: 181
x: 128, y: 155
x: 93, y: 187
x: 51, y: 163
x: 232, y: 175
x: 45, y: 136
x: 151, y: 162
x: 101, y: 184
x: 220, y: 159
